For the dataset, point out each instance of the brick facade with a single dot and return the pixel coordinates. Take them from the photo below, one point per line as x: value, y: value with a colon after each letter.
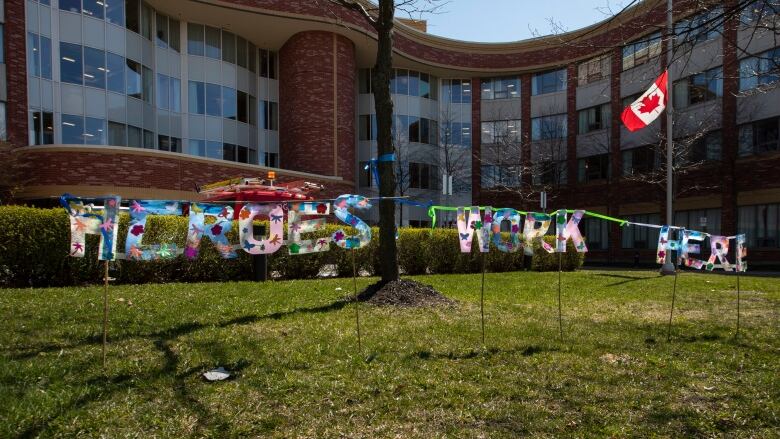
x: 317, y: 104
x: 16, y: 72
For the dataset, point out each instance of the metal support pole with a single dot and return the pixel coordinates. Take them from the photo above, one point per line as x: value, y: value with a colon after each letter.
x: 560, y: 314
x: 668, y: 267
x: 737, y: 333
x: 105, y: 312
x: 357, y: 302
x: 482, y: 299
x: 671, y: 311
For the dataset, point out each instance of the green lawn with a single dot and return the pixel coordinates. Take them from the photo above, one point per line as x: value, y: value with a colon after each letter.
x: 422, y: 373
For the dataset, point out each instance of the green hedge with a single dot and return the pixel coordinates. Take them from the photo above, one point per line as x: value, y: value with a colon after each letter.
x: 34, y: 245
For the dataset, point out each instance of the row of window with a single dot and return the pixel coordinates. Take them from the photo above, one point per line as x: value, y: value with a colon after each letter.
x: 548, y: 127
x: 640, y: 51
x: 500, y: 88
x: 703, y: 26
x: 758, y: 70
x: 456, y: 133
x: 594, y: 118
x: 456, y: 91
x: 406, y: 129
x: 216, y: 100
x: 414, y: 176
x: 759, y: 137
x: 96, y: 131
x: 402, y: 82
x: 548, y: 82
x: 216, y: 43
x: 500, y: 132
x: 701, y: 87
x: 97, y: 68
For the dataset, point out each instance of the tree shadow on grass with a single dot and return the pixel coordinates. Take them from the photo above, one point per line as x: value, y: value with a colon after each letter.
x: 622, y: 276
x: 525, y: 351
x: 103, y: 387
x: 175, y: 331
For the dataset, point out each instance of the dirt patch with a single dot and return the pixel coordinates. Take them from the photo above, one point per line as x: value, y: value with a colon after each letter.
x: 404, y: 293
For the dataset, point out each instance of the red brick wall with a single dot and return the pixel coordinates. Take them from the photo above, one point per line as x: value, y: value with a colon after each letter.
x: 308, y: 104
x: 156, y: 170
x: 16, y: 72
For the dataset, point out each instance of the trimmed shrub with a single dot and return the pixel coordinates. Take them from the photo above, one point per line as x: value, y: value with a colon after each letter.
x: 34, y: 246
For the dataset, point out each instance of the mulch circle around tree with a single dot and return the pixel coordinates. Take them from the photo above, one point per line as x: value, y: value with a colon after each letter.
x: 404, y: 293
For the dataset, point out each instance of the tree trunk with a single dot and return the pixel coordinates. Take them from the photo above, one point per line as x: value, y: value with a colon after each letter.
x: 384, y: 116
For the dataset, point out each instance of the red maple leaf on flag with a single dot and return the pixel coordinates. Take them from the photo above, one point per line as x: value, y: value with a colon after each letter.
x: 649, y: 103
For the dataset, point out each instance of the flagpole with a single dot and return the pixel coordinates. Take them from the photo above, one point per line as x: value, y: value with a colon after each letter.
x: 668, y: 267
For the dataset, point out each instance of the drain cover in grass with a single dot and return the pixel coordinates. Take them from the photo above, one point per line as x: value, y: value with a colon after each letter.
x: 217, y: 374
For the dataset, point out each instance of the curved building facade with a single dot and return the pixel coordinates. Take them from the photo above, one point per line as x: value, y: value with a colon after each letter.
x: 153, y: 98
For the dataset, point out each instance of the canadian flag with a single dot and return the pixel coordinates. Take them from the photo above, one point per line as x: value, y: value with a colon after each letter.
x: 643, y: 111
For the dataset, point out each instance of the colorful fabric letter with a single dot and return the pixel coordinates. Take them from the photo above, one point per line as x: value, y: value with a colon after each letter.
x: 84, y: 221
x: 536, y: 225
x: 686, y: 248
x: 513, y: 216
x: 666, y: 243
x: 275, y: 240
x: 474, y: 223
x: 295, y: 226
x: 741, y: 253
x: 719, y: 245
x: 139, y: 211
x: 216, y: 231
x: 341, y: 209
x: 569, y: 230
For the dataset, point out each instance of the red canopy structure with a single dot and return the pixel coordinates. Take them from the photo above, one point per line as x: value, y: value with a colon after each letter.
x: 248, y: 190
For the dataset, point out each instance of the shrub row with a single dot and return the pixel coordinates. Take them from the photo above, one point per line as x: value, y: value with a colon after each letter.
x: 34, y: 245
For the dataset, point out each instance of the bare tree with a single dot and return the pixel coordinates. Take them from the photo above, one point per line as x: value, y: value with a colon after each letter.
x: 381, y: 18
x: 453, y: 155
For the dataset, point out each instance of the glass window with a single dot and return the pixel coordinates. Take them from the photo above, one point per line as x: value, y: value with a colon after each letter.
x: 72, y: 6
x: 242, y: 111
x: 93, y: 8
x: 134, y: 137
x: 148, y: 139
x: 252, y: 110
x: 48, y: 127
x: 195, y: 39
x: 242, y: 154
x: 115, y: 12
x: 252, y: 53
x: 229, y: 152
x: 593, y: 168
x: 117, y: 134
x: 2, y: 47
x: 500, y: 132
x: 213, y: 43
x: 175, y: 95
x: 760, y: 224
x: 706, y: 147
x: 241, y: 55
x: 214, y: 150
x: 148, y: 84
x: 115, y: 72
x: 3, y: 123
x: 402, y: 81
x: 702, y: 87
x: 94, y: 68
x: 163, y: 92
x: 162, y: 31
x: 640, y: 237
x: 229, y: 104
x: 759, y: 137
x: 270, y: 116
x: 596, y: 233
x: 272, y: 159
x: 594, y: 118
x: 163, y: 143
x: 70, y: 63
x: 762, y: 69
x: 196, y: 147
x: 132, y: 15
x: 639, y: 160
x: 425, y: 86
x: 414, y: 83
x: 213, y: 100
x: 228, y: 47
x: 548, y: 127
x: 197, y: 98
x: 174, y: 36
x: 548, y: 82
x: 593, y: 70
x: 35, y: 129
x: 146, y: 21
x: 264, y: 63
x: 501, y: 88
x: 134, y: 74
x: 701, y: 27
x: 640, y: 51
x: 95, y: 131
x: 72, y: 129
x: 33, y: 54
x: 759, y: 11
x: 45, y: 50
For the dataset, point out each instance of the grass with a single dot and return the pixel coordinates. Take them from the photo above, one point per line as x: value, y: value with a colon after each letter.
x: 422, y: 373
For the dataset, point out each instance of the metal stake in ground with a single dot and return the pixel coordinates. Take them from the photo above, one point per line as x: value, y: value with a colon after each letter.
x: 671, y: 310
x: 737, y: 333
x: 560, y: 316
x: 482, y: 299
x: 357, y: 301
x: 105, y: 313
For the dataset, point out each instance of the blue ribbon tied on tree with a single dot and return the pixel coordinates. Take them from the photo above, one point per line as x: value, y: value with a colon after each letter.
x: 375, y: 168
